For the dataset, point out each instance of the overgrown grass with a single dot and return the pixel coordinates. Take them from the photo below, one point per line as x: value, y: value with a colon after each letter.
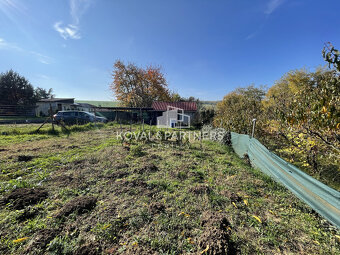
x: 150, y: 198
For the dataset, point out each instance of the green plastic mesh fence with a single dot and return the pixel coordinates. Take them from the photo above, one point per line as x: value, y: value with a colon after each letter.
x: 323, y: 199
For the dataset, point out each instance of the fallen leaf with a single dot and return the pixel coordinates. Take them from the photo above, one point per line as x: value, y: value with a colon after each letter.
x: 20, y: 240
x: 257, y: 218
x: 205, y: 250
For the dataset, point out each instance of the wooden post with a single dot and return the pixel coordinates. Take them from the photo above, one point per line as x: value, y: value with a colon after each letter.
x: 150, y: 128
x: 51, y: 116
x: 43, y: 124
x: 130, y: 122
x: 201, y: 146
x: 60, y: 123
x: 140, y: 115
x: 95, y: 118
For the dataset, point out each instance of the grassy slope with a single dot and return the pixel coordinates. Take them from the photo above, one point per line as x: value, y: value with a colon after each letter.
x: 100, y: 103
x: 149, y: 199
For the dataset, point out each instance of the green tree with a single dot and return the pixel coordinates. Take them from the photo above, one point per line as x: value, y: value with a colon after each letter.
x: 332, y: 56
x: 306, y: 102
x: 204, y: 116
x: 238, y: 108
x: 175, y: 97
x: 15, y: 89
x: 304, y: 108
x: 41, y: 93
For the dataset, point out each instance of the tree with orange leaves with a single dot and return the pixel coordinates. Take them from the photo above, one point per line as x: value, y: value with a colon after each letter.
x: 137, y: 87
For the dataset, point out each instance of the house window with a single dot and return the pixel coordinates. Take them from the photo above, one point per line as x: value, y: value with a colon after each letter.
x: 60, y: 107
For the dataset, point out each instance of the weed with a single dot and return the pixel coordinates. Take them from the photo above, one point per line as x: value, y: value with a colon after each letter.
x: 137, y: 151
x: 62, y: 245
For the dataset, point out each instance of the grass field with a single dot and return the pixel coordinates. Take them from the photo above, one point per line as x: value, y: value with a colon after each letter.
x: 5, y: 118
x: 99, y: 103
x: 87, y: 192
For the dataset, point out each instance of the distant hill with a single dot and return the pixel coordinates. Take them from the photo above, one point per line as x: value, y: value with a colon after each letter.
x: 99, y: 103
x: 209, y: 104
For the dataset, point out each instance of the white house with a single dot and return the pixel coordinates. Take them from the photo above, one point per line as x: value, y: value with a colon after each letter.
x: 174, y: 114
x: 173, y: 117
x: 45, y: 106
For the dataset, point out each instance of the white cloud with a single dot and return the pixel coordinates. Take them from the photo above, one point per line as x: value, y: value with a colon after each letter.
x: 41, y: 58
x: 67, y: 31
x: 272, y: 6
x: 250, y: 36
x: 72, y: 30
x: 78, y: 8
x: 43, y: 76
x: 4, y: 45
x: 12, y: 9
x: 255, y: 33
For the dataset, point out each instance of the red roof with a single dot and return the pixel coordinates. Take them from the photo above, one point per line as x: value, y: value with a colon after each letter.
x: 186, y: 106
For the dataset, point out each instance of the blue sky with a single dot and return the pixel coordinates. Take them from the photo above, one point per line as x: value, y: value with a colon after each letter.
x: 206, y: 48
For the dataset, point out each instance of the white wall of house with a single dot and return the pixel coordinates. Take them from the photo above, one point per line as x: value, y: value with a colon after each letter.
x: 176, y: 117
x: 44, y: 107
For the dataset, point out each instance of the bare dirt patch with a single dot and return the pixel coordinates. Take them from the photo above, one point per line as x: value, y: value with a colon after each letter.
x: 62, y: 180
x: 201, y: 189
x: 121, y: 166
x: 79, y: 205
x: 28, y: 213
x: 156, y: 208
x: 148, y: 168
x: 41, y: 239
x: 136, y: 249
x: 130, y: 187
x: 88, y: 249
x: 154, y: 156
x: 24, y: 158
x: 118, y: 174
x: 215, y: 238
x: 22, y: 197
x: 125, y: 185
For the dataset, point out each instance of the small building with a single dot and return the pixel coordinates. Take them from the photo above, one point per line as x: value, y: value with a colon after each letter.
x: 174, y: 114
x: 45, y: 106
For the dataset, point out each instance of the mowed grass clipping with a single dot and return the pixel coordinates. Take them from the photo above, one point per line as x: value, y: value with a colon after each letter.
x: 86, y: 192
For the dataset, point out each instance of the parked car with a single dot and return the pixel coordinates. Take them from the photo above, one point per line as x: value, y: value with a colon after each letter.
x: 78, y: 117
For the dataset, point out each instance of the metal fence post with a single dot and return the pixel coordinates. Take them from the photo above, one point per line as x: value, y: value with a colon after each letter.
x: 253, y: 132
